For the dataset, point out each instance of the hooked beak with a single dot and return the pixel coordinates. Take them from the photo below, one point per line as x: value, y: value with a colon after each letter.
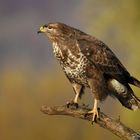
x: 39, y: 32
x: 42, y: 30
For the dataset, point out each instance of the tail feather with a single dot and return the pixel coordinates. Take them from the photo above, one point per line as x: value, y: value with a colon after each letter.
x: 124, y: 93
x: 134, y: 81
x: 130, y: 100
x: 135, y: 103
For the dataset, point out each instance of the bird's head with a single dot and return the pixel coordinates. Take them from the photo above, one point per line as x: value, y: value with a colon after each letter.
x: 56, y: 31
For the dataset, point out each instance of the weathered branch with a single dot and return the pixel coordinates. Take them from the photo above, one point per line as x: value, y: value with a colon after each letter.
x: 114, y: 126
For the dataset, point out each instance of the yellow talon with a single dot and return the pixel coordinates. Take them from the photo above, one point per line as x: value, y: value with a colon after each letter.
x: 95, y: 114
x: 94, y: 111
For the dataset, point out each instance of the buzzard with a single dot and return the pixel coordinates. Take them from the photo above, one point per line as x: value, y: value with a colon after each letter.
x: 88, y: 62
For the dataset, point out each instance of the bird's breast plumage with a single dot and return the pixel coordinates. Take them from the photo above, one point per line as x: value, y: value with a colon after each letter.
x: 57, y: 51
x: 74, y: 65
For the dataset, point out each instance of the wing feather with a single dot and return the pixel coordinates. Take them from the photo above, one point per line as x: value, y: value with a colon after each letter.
x: 103, y: 58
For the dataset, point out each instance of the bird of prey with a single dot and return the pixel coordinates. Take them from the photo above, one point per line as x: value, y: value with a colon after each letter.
x: 89, y: 63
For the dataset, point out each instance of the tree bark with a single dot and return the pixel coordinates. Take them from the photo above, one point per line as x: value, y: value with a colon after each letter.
x: 114, y: 126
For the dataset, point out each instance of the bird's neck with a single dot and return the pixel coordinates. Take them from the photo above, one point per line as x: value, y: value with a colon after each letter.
x: 58, y: 50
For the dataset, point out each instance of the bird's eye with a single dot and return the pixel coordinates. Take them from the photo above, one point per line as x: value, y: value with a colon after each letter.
x: 50, y: 27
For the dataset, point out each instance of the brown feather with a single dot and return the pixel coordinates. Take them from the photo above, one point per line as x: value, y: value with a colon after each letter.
x: 89, y: 62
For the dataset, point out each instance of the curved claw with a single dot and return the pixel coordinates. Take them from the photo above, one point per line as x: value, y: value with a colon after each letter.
x: 72, y: 104
x: 96, y: 114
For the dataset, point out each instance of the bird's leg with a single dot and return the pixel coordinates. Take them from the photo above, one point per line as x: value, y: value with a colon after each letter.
x: 73, y: 102
x: 77, y: 88
x: 94, y: 111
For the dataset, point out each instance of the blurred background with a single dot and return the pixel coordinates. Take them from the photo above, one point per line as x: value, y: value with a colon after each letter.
x: 30, y: 75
